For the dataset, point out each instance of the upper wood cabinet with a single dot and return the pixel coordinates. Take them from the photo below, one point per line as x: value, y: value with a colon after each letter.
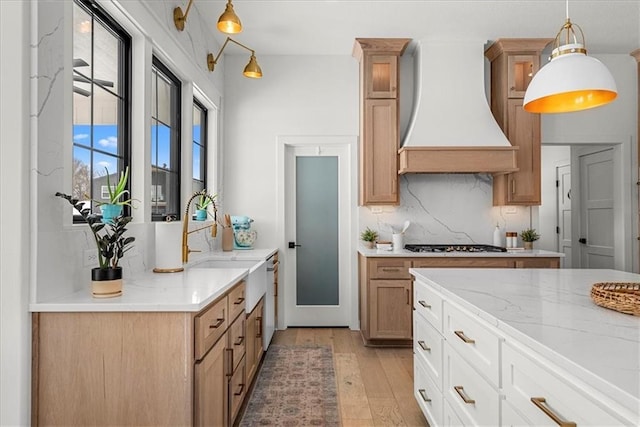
x: 379, y: 136
x: 513, y: 64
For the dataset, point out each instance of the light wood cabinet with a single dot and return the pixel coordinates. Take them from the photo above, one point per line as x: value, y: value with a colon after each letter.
x: 379, y: 136
x: 255, y: 347
x: 211, y: 396
x: 390, y: 306
x: 385, y: 301
x: 140, y: 368
x: 513, y: 64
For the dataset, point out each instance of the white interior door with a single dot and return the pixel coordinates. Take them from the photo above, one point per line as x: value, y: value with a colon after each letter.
x: 563, y: 179
x: 317, y: 199
x: 596, y: 240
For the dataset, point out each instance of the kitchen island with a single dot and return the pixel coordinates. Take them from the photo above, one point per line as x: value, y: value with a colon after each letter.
x: 174, y: 349
x: 525, y: 345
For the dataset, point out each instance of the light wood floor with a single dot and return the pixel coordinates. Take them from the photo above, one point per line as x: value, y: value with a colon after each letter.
x: 375, y: 385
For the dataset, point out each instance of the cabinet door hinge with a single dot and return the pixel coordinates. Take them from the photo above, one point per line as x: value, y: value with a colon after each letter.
x: 557, y: 183
x: 557, y: 230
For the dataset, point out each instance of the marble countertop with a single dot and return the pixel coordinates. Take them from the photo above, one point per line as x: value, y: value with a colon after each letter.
x: 550, y: 310
x: 190, y: 290
x: 509, y: 254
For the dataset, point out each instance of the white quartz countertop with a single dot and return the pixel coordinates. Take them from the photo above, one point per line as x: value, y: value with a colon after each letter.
x: 190, y: 290
x: 509, y: 254
x: 551, y: 311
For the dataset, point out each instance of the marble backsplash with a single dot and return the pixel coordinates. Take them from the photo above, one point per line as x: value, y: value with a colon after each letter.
x: 445, y: 208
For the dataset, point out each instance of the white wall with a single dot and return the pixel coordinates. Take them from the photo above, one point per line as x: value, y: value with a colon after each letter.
x: 552, y: 157
x: 15, y: 324
x: 301, y: 95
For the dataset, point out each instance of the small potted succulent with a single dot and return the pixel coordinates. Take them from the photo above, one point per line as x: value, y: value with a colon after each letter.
x: 203, y: 202
x: 369, y: 237
x: 529, y: 236
x: 117, y: 200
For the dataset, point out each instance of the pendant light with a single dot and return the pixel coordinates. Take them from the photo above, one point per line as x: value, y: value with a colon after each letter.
x: 229, y: 23
x: 571, y: 81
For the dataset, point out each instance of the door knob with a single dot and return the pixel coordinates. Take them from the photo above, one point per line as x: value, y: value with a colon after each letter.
x: 292, y: 245
x: 582, y: 240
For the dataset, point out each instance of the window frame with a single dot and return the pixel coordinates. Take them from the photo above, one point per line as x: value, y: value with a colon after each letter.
x: 204, y: 142
x: 162, y: 71
x: 123, y: 154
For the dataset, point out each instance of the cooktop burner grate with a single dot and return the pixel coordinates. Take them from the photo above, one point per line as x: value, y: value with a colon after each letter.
x: 454, y: 248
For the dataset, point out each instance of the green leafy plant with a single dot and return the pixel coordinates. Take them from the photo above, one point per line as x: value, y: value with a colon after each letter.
x: 368, y: 235
x: 204, y: 201
x: 109, y: 238
x: 529, y: 235
x: 119, y: 191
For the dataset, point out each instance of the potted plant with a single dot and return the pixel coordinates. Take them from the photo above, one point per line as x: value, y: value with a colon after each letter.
x: 117, y: 193
x: 369, y: 237
x: 529, y: 236
x: 201, y: 206
x: 106, y: 280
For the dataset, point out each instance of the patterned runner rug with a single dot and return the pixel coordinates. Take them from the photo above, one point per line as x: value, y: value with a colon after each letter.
x: 295, y: 387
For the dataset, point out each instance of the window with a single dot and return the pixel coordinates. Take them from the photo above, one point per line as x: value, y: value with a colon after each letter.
x: 165, y: 142
x: 199, y: 146
x: 101, y: 97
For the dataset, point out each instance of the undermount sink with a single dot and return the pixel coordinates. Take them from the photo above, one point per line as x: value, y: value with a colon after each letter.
x: 256, y: 281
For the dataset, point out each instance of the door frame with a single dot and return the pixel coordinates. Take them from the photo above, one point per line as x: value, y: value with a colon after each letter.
x: 623, y: 238
x: 559, y: 219
x: 348, y: 246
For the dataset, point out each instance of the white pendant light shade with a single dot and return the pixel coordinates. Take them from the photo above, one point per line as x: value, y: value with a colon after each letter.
x: 570, y: 82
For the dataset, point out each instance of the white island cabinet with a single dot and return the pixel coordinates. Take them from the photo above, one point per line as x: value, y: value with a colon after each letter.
x: 523, y: 347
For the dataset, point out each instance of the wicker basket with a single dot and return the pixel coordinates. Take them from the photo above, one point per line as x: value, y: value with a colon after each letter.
x: 619, y: 296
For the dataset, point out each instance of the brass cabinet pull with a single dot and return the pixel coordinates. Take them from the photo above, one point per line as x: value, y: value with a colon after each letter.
x: 464, y: 338
x: 541, y: 403
x: 460, y: 390
x: 424, y: 304
x: 423, y: 394
x: 229, y: 362
x: 424, y: 346
x: 239, y: 301
x: 217, y: 324
x: 239, y: 341
x: 259, y: 328
x: 239, y: 392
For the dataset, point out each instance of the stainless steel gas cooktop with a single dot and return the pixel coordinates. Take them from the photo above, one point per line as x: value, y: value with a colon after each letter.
x: 454, y: 248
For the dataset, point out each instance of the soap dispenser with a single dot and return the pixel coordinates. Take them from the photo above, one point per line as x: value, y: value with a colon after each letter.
x: 497, y: 236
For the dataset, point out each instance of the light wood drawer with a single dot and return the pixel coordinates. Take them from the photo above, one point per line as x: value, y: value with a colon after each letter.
x: 473, y: 339
x: 471, y: 397
x: 210, y: 324
x: 429, y: 396
x: 389, y: 268
x: 428, y: 304
x: 236, y: 300
x: 450, y: 262
x: 427, y: 348
x: 237, y: 389
x: 554, y: 392
x: 237, y: 339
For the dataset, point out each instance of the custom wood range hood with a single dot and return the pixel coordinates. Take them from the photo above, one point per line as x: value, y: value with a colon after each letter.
x: 451, y: 129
